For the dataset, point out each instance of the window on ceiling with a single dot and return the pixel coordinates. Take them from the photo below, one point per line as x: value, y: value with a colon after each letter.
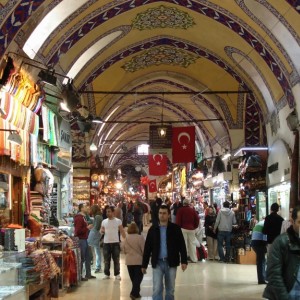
x: 278, y: 29
x: 49, y: 23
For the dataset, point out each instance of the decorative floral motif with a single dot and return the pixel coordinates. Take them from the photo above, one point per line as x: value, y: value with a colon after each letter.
x: 160, y: 55
x: 163, y: 17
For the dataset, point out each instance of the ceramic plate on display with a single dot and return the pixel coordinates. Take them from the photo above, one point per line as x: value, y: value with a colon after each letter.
x: 94, y: 177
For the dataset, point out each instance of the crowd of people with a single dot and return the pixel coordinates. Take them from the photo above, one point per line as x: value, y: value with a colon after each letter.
x: 174, y: 238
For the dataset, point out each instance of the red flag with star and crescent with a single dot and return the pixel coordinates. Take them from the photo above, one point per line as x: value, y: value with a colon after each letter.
x: 152, y: 186
x: 157, y: 164
x: 183, y: 144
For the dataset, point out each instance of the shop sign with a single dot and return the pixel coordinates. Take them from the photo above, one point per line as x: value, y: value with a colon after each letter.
x: 65, y: 138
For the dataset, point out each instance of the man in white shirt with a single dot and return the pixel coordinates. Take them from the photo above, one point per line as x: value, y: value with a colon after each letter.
x: 111, y: 227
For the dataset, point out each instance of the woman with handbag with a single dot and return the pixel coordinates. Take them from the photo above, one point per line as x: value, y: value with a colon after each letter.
x: 133, y: 247
x: 95, y: 235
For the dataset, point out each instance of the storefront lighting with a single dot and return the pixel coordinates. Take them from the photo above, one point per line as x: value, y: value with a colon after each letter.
x: 162, y: 132
x: 13, y: 137
x: 93, y: 147
x: 239, y: 151
x: 118, y: 185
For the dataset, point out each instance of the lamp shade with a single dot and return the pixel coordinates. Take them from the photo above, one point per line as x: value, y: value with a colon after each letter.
x: 93, y: 147
x: 15, y: 138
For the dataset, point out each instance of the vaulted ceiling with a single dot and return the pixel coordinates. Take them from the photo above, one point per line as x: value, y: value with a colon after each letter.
x: 167, y: 46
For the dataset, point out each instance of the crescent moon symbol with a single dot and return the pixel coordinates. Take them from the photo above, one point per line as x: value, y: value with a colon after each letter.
x: 161, y: 157
x: 183, y: 134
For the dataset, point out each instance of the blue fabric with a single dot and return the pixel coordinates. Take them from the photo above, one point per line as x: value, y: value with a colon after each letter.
x: 161, y: 271
x: 163, y: 252
x: 98, y: 256
x: 295, y: 292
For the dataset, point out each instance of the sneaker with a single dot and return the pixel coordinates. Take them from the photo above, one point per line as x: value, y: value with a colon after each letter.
x: 118, y: 277
x: 91, y: 277
x: 106, y: 277
x: 97, y: 271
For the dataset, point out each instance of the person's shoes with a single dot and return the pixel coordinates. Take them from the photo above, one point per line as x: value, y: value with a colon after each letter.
x: 135, y: 297
x: 97, y: 271
x: 262, y: 282
x: 84, y: 279
x: 106, y: 277
x: 118, y: 277
x: 222, y: 261
x: 91, y: 277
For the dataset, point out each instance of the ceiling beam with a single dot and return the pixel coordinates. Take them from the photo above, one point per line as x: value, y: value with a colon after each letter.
x: 164, y: 93
x: 162, y: 122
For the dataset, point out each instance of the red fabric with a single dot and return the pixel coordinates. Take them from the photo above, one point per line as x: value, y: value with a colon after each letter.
x: 183, y: 144
x: 157, y: 164
x: 152, y: 186
x: 81, y: 227
x: 187, y: 218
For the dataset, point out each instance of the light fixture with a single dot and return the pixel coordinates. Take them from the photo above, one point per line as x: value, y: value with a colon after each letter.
x: 47, y: 76
x: 239, y: 151
x: 97, y: 120
x: 64, y: 106
x: 93, y: 147
x: 13, y: 137
x: 70, y: 96
x: 292, y: 120
x: 162, y: 130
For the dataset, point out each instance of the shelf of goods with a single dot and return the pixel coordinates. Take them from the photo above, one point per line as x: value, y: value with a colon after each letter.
x: 81, y: 190
x: 11, y: 287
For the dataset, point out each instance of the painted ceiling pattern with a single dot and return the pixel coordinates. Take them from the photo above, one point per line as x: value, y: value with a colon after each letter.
x: 158, y: 56
x: 162, y: 17
x: 145, y: 49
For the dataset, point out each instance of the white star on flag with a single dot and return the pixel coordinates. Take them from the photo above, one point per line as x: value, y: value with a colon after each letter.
x: 184, y: 147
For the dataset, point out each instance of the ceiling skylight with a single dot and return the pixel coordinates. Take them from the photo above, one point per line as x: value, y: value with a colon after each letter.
x: 91, y: 52
x: 51, y: 21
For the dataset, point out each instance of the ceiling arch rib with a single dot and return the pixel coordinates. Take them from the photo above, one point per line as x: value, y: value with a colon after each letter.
x: 209, y: 10
x: 94, y: 49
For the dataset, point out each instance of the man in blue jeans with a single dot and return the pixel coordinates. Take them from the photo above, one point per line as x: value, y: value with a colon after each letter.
x: 225, y: 220
x: 111, y: 227
x: 165, y: 244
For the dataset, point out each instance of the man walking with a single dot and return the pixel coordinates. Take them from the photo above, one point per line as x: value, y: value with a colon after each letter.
x: 81, y: 230
x: 283, y: 272
x: 225, y: 220
x: 111, y: 227
x: 188, y: 220
x: 272, y: 226
x: 165, y: 244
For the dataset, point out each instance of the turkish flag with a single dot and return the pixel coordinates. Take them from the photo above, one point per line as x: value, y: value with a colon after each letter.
x: 183, y: 144
x: 152, y: 186
x: 157, y: 164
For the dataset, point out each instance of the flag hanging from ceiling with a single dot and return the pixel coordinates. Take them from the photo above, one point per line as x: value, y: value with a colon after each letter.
x: 183, y: 144
x: 157, y: 164
x: 152, y: 186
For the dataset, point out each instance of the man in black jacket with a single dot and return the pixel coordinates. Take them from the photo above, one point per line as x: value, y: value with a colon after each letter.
x: 272, y: 226
x: 165, y: 244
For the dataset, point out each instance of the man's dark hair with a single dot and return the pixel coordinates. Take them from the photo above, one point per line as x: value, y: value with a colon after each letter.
x: 164, y: 206
x: 112, y: 208
x: 275, y: 207
x: 226, y: 204
x: 295, y: 212
x: 80, y: 206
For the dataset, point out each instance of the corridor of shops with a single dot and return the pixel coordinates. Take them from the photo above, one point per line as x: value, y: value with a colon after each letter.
x: 180, y: 116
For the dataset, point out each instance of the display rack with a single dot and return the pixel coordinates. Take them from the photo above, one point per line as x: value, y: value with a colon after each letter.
x: 81, y: 190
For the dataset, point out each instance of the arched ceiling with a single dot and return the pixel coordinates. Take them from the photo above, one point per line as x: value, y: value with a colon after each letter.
x: 151, y: 46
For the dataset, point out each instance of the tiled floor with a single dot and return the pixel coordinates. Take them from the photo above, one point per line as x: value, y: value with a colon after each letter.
x: 203, y: 280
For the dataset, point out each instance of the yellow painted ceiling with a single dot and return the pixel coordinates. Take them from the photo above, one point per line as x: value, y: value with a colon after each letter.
x: 172, y: 63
